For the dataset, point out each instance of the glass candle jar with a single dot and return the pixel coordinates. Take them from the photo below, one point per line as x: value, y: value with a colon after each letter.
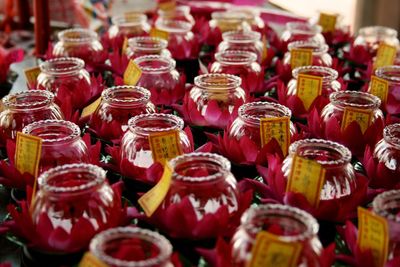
x: 61, y: 143
x: 135, y: 146
x: 131, y: 247
x: 387, y: 205
x: 391, y: 74
x: 230, y: 21
x: 145, y: 46
x: 23, y: 108
x: 181, y: 13
x: 340, y: 180
x: 320, y: 56
x: 288, y: 224
x: 242, y: 40
x: 206, y: 179
x: 128, y: 26
x: 249, y: 116
x: 223, y: 88
x: 81, y: 43
x: 302, y: 31
x: 370, y: 38
x: 243, y: 64
x: 72, y: 198
x: 182, y: 43
x: 66, y: 72
x: 161, y: 78
x: 119, y: 104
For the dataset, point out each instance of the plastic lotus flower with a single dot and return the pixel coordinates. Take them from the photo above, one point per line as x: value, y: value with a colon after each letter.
x: 359, y: 55
x: 7, y: 57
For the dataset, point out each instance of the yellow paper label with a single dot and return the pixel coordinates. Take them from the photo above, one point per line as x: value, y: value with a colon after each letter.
x: 89, y: 110
x: 153, y: 198
x: 300, y: 57
x: 278, y: 128
x: 132, y: 15
x: 361, y: 116
x: 327, y: 22
x: 132, y: 73
x: 90, y: 260
x: 379, y: 87
x: 265, y: 48
x: 2, y: 107
x: 27, y: 153
x: 385, y: 56
x: 373, y: 235
x: 165, y: 146
x: 159, y: 33
x: 124, y: 46
x: 31, y: 75
x: 167, y: 5
x: 306, y: 177
x: 308, y: 88
x: 269, y: 250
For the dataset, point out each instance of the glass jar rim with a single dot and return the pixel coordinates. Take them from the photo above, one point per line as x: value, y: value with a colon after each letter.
x: 177, y: 122
x: 299, y: 215
x: 174, y: 26
x: 305, y: 28
x: 316, y: 47
x: 147, y: 43
x: 99, y: 177
x: 209, y: 157
x: 235, y: 57
x: 389, y: 134
x: 170, y: 63
x: 75, y: 132
x: 336, y: 98
x: 285, y: 111
x: 131, y: 20
x: 382, y: 72
x: 160, y: 241
x: 378, y: 204
x: 107, y: 95
x: 377, y: 30
x: 344, y: 152
x: 50, y: 66
x: 328, y: 74
x: 219, y: 81
x: 47, y: 96
x: 247, y: 36
x: 87, y: 35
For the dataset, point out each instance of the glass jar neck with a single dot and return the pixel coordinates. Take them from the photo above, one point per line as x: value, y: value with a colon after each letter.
x: 303, y: 28
x: 131, y: 247
x: 217, y: 83
x: 31, y: 100
x: 131, y: 20
x: 252, y: 113
x: 317, y: 48
x: 328, y: 75
x: 151, y: 45
x: 377, y: 32
x: 241, y: 37
x: 126, y: 96
x: 327, y: 153
x: 387, y: 205
x: 389, y: 73
x: 54, y: 132
x: 199, y: 168
x: 65, y: 66
x: 71, y: 180
x: 354, y: 99
x: 391, y: 134
x: 147, y: 124
x: 236, y: 57
x: 288, y: 223
x: 154, y: 64
x: 172, y: 26
x: 78, y: 36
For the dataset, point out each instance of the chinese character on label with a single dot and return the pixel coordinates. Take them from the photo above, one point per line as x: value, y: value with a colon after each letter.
x: 278, y: 128
x: 165, y: 146
x: 27, y: 153
x: 385, y: 56
x: 361, y: 116
x: 300, y: 57
x: 327, y: 22
x: 309, y: 87
x: 379, y: 87
x: 132, y: 73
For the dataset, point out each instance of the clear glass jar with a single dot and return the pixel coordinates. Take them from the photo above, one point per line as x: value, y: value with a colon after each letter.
x: 370, y: 37
x: 182, y: 43
x: 230, y: 21
x: 391, y: 74
x: 145, y: 46
x: 135, y: 146
x: 81, y: 43
x: 302, y: 31
x: 58, y: 135
x: 243, y: 64
x: 73, y: 197
x: 249, y: 116
x: 223, y: 88
x: 289, y: 224
x: 255, y: 21
x: 387, y: 205
x: 206, y: 179
x: 133, y: 25
x: 340, y: 180
x: 243, y: 40
x: 320, y: 55
x: 181, y: 13
x: 119, y: 104
x: 66, y: 72
x: 21, y: 109
x: 131, y: 247
x: 161, y: 78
